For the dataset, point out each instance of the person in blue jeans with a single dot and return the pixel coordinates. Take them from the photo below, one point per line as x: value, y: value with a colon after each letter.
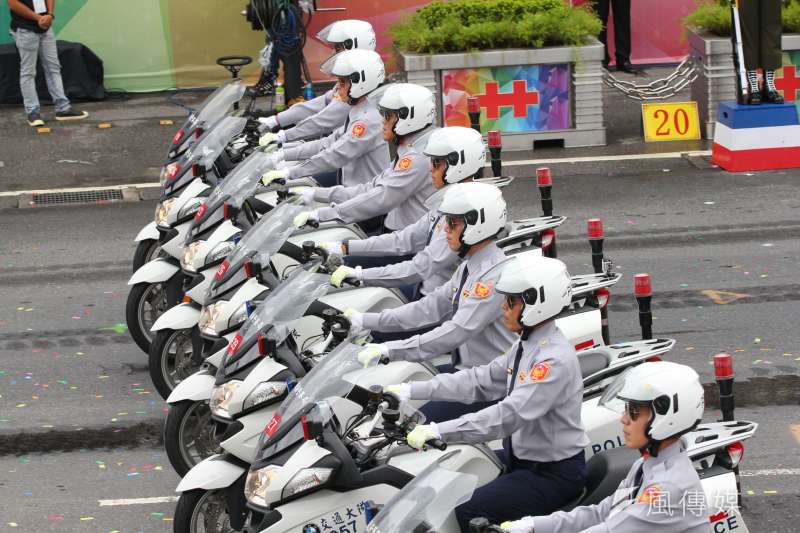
x: 31, y: 28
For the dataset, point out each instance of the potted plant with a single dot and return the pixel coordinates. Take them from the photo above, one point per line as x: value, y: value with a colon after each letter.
x: 709, y: 32
x: 535, y: 66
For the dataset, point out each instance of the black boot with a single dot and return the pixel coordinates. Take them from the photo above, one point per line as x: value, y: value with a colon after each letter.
x: 772, y: 97
x: 754, y: 98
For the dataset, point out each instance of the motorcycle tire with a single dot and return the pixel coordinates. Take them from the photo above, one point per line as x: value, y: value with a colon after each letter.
x: 146, y: 251
x: 160, y: 360
x: 176, y: 434
x: 189, y: 506
x: 140, y: 334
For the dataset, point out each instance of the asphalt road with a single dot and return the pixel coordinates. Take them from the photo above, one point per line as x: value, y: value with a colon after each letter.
x: 722, y: 251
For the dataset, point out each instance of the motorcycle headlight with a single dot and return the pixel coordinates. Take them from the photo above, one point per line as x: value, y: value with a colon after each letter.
x: 220, y: 251
x: 189, y: 254
x: 264, y: 392
x: 257, y: 484
x: 306, y: 479
x: 208, y: 318
x: 221, y: 398
x: 190, y: 209
x: 238, y: 316
x: 162, y: 210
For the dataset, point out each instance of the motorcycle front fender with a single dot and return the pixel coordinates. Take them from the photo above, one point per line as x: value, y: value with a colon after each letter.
x: 216, y: 472
x: 156, y: 271
x: 195, y: 388
x: 146, y: 233
x: 182, y: 316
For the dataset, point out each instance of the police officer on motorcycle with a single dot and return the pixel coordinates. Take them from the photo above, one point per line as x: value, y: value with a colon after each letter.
x: 456, y: 154
x: 323, y: 114
x: 661, y: 402
x: 539, y: 385
x: 357, y: 148
x: 399, y: 191
x: 466, y: 309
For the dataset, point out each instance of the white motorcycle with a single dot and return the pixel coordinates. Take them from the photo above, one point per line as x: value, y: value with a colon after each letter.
x: 335, y: 445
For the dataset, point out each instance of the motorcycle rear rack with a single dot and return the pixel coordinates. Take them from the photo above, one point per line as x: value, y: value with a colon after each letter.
x: 527, y: 228
x: 585, y: 284
x: 627, y: 353
x: 706, y: 438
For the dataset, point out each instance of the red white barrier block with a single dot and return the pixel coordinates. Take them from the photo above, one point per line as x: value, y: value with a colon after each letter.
x: 756, y: 137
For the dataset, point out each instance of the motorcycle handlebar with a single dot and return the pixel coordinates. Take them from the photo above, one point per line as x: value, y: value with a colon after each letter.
x: 437, y: 444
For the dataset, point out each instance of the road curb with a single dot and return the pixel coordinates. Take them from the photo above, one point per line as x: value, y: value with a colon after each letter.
x: 778, y: 390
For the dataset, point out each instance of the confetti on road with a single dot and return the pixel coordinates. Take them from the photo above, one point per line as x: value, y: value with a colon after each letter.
x: 116, y: 328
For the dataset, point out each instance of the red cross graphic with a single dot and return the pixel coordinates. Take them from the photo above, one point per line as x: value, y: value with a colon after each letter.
x: 789, y: 83
x: 519, y: 97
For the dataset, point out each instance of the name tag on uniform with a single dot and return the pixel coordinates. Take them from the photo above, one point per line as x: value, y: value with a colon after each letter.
x: 39, y: 6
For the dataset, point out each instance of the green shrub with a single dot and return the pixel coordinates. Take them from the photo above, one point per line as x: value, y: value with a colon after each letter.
x: 715, y: 17
x: 467, y: 25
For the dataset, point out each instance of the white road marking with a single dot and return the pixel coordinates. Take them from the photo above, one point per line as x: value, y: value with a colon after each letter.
x: 771, y: 472
x: 600, y: 158
x: 137, y: 501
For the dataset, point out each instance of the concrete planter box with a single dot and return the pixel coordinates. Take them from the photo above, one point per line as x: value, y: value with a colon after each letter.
x: 586, y: 86
x: 717, y: 80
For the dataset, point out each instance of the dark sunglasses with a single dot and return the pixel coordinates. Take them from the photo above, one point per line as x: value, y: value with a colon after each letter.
x: 633, y: 410
x: 452, y: 220
x: 511, y: 301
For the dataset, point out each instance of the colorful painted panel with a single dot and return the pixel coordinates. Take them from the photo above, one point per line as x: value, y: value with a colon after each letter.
x: 512, y: 99
x: 787, y: 80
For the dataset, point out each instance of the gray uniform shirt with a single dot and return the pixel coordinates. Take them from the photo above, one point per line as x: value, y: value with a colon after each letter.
x: 357, y: 148
x: 476, y: 328
x: 666, y: 501
x: 314, y: 118
x: 399, y: 192
x: 433, y: 262
x: 542, y: 414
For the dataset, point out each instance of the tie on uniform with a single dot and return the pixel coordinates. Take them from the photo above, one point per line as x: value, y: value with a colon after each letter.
x: 430, y: 233
x: 456, y: 359
x: 507, y: 440
x: 339, y: 171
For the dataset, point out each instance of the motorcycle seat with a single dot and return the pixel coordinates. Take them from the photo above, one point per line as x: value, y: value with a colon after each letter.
x: 593, y: 361
x: 605, y: 471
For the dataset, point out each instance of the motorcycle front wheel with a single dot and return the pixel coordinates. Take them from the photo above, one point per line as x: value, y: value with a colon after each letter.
x: 170, y: 359
x: 146, y: 302
x: 146, y: 251
x: 202, y: 511
x: 189, y: 435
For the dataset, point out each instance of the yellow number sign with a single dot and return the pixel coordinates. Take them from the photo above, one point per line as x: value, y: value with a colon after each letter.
x: 674, y: 121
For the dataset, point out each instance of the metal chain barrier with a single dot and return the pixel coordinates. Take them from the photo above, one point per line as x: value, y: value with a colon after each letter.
x: 684, y: 74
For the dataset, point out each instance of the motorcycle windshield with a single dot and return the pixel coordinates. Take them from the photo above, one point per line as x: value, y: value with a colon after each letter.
x: 242, y: 182
x: 426, y: 502
x: 275, y: 316
x: 210, y: 145
x: 333, y: 377
x: 217, y: 104
x: 264, y: 239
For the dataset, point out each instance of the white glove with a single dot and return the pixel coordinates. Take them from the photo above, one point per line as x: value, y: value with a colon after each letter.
x: 268, y: 123
x: 307, y: 196
x: 422, y: 434
x: 345, y: 272
x: 273, y: 175
x: 268, y: 138
x: 523, y: 525
x: 332, y: 247
x: 372, y: 352
x: 356, y: 318
x: 305, y: 217
x: 402, y: 391
x: 277, y: 157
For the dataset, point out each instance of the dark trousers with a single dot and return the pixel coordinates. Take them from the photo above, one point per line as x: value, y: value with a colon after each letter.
x: 761, y: 34
x: 327, y: 179
x: 437, y: 411
x: 621, y: 10
x: 526, y: 489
